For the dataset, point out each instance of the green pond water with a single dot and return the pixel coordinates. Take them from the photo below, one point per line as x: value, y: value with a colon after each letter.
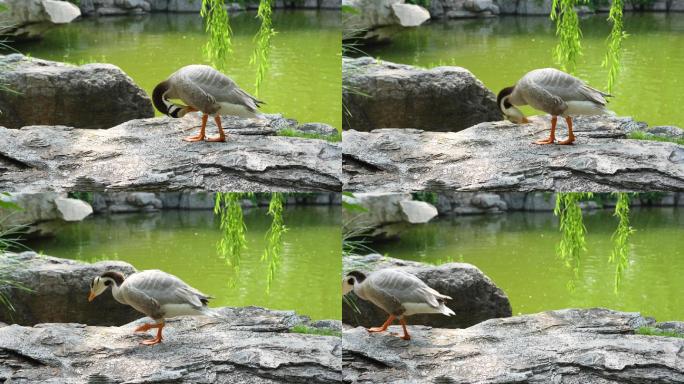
x: 183, y: 243
x: 500, y: 50
x: 303, y: 82
x: 517, y: 251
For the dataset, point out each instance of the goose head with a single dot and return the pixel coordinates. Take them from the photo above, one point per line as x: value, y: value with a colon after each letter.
x: 352, y: 279
x: 509, y: 110
x: 99, y: 284
x: 163, y: 104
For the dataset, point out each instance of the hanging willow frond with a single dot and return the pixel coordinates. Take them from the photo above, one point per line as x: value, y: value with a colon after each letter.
x: 619, y: 256
x: 615, y: 39
x: 274, y: 237
x: 232, y: 223
x: 262, y: 50
x: 569, y: 47
x: 217, y: 24
x: 573, y: 231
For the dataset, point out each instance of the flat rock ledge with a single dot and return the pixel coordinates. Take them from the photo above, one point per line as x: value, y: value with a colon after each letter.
x: 501, y: 156
x: 149, y: 154
x: 246, y: 345
x: 588, y: 346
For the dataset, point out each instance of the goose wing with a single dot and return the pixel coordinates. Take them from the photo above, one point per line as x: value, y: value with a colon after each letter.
x: 163, y: 289
x: 403, y: 287
x: 565, y: 86
x: 206, y: 82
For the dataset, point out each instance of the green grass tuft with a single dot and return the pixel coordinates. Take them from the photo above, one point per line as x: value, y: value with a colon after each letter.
x: 641, y: 135
x: 305, y: 329
x: 295, y: 133
x: 650, y: 331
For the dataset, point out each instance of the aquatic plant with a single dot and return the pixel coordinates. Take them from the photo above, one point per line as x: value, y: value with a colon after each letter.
x: 262, y: 51
x: 274, y: 238
x: 573, y: 231
x: 217, y: 25
x: 619, y: 255
x: 353, y: 242
x: 10, y: 237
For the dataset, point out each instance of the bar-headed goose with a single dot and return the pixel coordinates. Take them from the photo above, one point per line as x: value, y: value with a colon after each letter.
x: 556, y: 93
x: 157, y: 294
x: 206, y: 90
x: 398, y: 293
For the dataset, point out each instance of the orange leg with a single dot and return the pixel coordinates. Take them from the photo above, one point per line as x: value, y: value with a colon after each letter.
x: 199, y: 137
x: 384, y: 326
x: 571, y: 136
x: 221, y: 137
x: 146, y: 327
x: 403, y: 325
x: 551, y: 138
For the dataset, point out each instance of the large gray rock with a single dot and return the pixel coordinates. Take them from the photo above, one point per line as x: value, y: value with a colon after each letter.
x: 380, y: 94
x: 475, y: 297
x: 52, y: 93
x: 570, y: 346
x: 59, y: 291
x: 28, y: 19
x: 500, y: 156
x: 150, y: 154
x: 245, y: 345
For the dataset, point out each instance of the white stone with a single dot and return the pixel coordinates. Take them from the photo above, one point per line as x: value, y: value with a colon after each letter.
x: 417, y: 212
x: 410, y: 15
x: 73, y: 209
x: 60, y: 12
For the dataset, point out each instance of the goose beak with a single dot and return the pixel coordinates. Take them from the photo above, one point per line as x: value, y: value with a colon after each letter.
x: 91, y: 296
x: 524, y: 120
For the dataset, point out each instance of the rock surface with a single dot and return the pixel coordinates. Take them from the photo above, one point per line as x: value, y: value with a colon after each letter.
x: 28, y: 19
x: 456, y: 9
x: 501, y: 156
x: 380, y: 94
x: 149, y: 154
x: 60, y: 291
x: 588, y: 346
x: 244, y: 345
x: 475, y: 297
x: 52, y: 93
